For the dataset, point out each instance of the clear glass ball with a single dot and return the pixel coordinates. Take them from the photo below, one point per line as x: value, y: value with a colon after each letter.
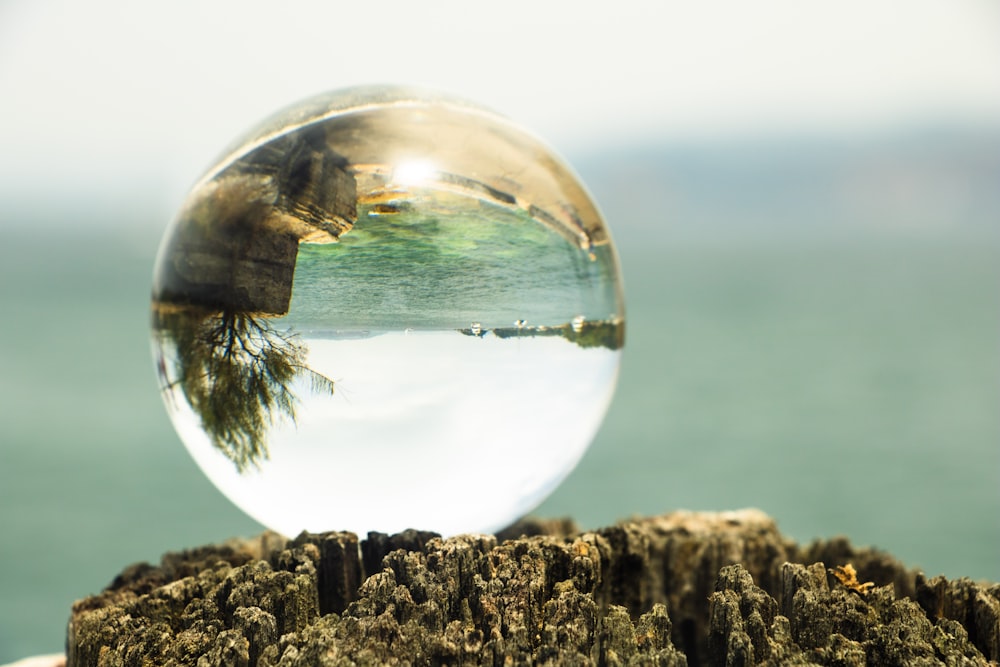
x: 385, y: 309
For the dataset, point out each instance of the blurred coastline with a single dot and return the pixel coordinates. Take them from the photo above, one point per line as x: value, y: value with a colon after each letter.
x: 812, y: 329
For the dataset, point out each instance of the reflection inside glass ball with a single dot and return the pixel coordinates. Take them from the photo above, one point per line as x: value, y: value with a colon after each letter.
x: 387, y: 309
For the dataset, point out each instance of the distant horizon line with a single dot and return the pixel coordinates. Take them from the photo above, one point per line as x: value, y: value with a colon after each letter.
x: 149, y: 199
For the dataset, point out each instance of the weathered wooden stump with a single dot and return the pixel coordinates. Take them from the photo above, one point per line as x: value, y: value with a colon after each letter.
x: 685, y: 588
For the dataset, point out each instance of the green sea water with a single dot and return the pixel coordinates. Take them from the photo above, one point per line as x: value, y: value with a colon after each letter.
x: 846, y: 385
x: 443, y: 268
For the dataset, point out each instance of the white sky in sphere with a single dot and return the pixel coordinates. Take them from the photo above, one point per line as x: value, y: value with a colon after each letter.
x: 111, y: 96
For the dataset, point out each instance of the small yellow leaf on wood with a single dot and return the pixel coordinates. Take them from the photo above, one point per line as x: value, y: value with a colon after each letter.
x: 848, y: 576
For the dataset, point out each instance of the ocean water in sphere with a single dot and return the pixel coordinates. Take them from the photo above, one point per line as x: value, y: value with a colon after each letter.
x: 386, y: 309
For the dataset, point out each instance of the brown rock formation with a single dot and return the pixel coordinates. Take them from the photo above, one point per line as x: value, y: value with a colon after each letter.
x: 234, y: 245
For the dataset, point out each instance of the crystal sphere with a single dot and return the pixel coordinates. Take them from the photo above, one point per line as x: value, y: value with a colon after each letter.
x: 385, y: 309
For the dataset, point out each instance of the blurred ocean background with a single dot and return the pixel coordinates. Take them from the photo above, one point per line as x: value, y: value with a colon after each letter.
x: 811, y: 257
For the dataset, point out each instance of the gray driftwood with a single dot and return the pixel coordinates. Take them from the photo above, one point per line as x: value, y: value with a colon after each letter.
x: 685, y: 588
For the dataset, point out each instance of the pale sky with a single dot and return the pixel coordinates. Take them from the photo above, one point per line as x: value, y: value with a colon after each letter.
x: 117, y: 96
